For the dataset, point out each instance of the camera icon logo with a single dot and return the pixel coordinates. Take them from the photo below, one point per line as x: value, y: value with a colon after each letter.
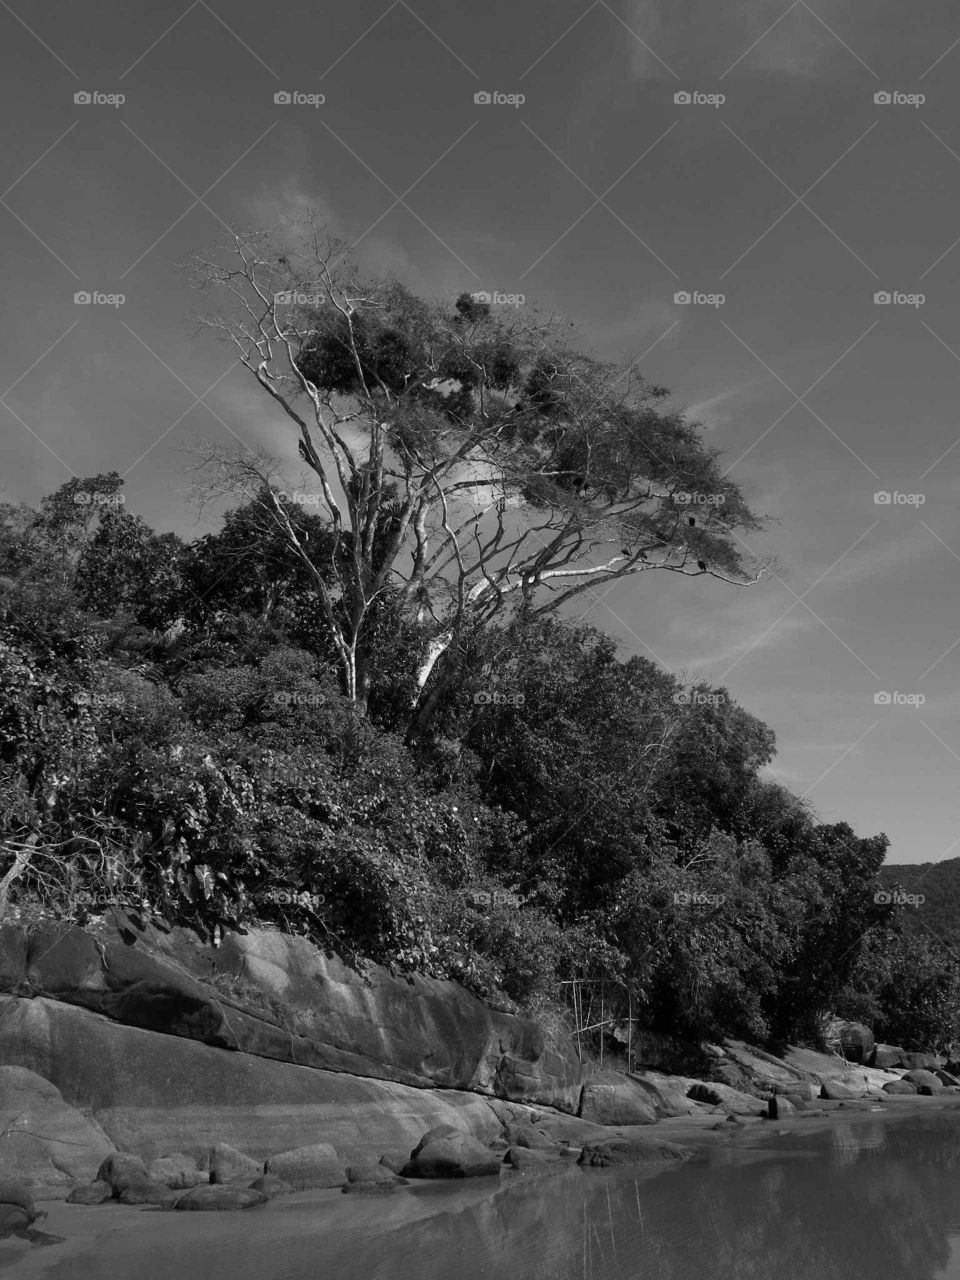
x: 481, y: 295
x: 282, y: 98
x: 882, y: 498
x: 882, y: 98
x: 82, y: 298
x: 82, y: 98
x: 682, y: 98
x: 882, y: 298
x: 482, y: 98
x: 882, y: 699
x: 681, y: 298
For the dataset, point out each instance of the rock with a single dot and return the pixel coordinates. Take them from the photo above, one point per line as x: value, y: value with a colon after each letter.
x: 924, y: 1080
x: 317, y: 1165
x: 227, y: 1164
x: 146, y: 1193
x: 43, y: 1140
x: 370, y: 1172
x: 837, y: 1091
x: 732, y: 1100
x: 176, y: 1171
x: 617, y: 1152
x: 778, y: 1108
x: 525, y: 1160
x: 856, y: 1041
x: 451, y: 1156
x: 220, y: 1197
x: 410, y: 1029
x: 947, y: 1078
x: 527, y: 1136
x: 17, y: 1209
x: 270, y: 1185
x: 91, y: 1193
x: 920, y: 1061
x: 13, y: 1220
x: 667, y: 1094
x: 794, y: 1089
x: 120, y: 1169
x: 886, y: 1056
x: 611, y: 1098
x: 394, y: 1161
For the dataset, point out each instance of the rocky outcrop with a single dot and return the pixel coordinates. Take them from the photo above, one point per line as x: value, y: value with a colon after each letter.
x: 618, y: 1152
x: 151, y: 1095
x: 44, y: 1140
x: 733, y: 1101
x: 611, y: 1098
x: 446, y: 1153
x: 276, y: 996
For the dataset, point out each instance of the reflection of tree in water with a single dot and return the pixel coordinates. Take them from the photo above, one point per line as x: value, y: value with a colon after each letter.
x: 861, y: 1200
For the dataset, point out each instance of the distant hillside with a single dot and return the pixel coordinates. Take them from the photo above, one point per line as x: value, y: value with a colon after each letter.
x: 939, y: 883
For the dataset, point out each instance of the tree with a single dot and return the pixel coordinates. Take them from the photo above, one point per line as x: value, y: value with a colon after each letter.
x: 477, y: 464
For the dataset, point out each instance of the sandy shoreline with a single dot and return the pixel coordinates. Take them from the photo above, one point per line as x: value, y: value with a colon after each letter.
x: 116, y: 1239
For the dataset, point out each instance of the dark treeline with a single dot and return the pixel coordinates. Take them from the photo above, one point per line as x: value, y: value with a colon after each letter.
x: 175, y: 738
x: 357, y: 712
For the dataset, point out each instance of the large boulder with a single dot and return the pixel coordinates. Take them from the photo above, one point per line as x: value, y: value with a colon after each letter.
x: 450, y: 1156
x: 227, y: 1164
x: 303, y: 1168
x: 43, y: 1140
x: 856, y: 1041
x: 220, y: 1197
x: 947, y: 1079
x: 900, y: 1086
x: 920, y: 1061
x: 91, y: 1193
x: 617, y: 1152
x: 177, y: 1171
x: 733, y: 1101
x: 841, y: 1091
x: 17, y: 1209
x: 611, y: 1098
x: 924, y: 1080
x: 153, y: 1094
x: 122, y: 1169
x: 278, y: 996
x: 666, y: 1094
x: 886, y: 1056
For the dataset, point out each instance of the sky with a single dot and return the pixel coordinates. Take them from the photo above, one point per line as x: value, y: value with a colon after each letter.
x: 778, y: 191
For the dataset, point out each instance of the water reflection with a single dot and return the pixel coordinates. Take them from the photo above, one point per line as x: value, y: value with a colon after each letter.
x: 877, y: 1200
x: 861, y: 1199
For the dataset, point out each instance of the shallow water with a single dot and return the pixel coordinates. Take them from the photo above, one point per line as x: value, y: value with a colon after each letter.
x: 860, y: 1199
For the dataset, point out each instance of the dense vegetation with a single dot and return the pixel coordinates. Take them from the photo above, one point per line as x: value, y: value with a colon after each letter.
x: 244, y: 728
